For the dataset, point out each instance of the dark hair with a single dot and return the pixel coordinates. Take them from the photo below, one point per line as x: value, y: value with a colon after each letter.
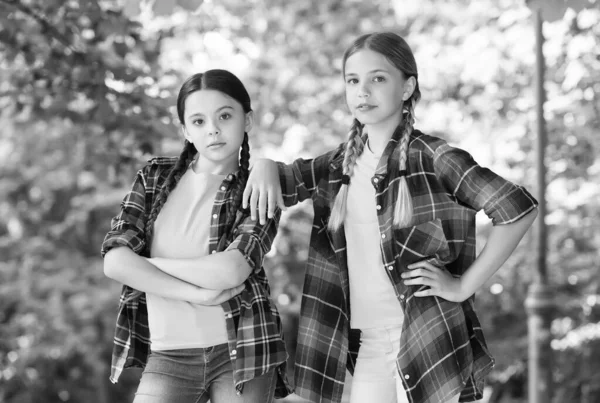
x: 227, y: 83
x: 395, y: 49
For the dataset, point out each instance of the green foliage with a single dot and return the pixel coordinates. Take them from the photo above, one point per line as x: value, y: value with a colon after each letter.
x: 87, y: 91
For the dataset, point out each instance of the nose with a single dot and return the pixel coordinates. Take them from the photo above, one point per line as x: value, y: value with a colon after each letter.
x: 363, y: 90
x: 213, y: 130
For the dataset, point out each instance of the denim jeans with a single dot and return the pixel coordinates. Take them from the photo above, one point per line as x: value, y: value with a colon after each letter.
x: 196, y: 375
x: 376, y: 378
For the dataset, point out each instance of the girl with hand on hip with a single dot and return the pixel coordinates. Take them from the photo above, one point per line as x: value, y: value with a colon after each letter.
x: 195, y: 310
x: 392, y: 271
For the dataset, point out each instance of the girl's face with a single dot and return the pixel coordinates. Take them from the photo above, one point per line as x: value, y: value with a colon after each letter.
x: 215, y: 123
x: 375, y: 89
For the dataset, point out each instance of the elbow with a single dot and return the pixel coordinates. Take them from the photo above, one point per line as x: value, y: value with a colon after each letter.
x: 239, y: 271
x: 111, y: 264
x: 533, y: 214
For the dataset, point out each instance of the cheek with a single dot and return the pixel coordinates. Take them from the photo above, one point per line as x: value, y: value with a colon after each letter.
x: 349, y: 95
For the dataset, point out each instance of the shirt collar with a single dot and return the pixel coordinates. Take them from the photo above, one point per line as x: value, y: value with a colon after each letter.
x: 338, y: 157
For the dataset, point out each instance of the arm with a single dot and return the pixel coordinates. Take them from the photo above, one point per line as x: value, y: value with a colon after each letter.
x: 143, y: 276
x: 501, y: 243
x: 511, y: 208
x: 231, y: 267
x: 127, y: 239
x: 272, y: 184
x: 218, y: 271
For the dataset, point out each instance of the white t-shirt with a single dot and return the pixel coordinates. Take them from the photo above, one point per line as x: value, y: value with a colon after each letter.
x: 373, y: 301
x: 182, y: 230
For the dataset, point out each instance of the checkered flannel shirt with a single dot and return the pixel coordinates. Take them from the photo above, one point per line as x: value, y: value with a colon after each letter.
x: 254, y: 327
x: 443, y: 351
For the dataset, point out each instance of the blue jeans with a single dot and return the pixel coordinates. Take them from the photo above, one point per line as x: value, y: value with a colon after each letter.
x: 196, y: 375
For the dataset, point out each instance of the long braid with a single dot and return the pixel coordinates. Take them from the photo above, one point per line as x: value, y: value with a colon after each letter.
x: 184, y: 160
x: 403, y: 211
x: 238, y: 191
x: 354, y: 147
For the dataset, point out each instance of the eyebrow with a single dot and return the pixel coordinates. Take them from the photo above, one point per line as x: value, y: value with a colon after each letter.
x: 217, y: 111
x: 370, y: 72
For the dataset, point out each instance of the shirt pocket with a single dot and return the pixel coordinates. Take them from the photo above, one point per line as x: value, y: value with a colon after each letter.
x: 425, y: 241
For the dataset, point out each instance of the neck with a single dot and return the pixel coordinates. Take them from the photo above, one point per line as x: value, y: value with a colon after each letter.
x: 380, y: 134
x: 204, y: 165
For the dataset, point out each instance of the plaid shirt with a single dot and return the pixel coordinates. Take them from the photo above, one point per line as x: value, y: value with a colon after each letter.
x: 254, y: 327
x: 443, y: 351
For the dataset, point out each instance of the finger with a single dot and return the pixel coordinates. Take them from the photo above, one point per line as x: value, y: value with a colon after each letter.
x: 246, y: 195
x: 253, y: 203
x: 425, y: 293
x: 418, y: 272
x: 417, y: 265
x: 271, y: 204
x: 420, y: 281
x: 280, y: 201
x: 262, y: 206
x: 423, y: 264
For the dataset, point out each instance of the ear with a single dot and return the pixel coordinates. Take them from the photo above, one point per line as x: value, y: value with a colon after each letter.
x: 186, y: 134
x: 249, y: 121
x: 409, y: 87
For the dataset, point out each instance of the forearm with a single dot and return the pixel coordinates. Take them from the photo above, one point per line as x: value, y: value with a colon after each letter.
x: 501, y: 243
x: 126, y: 267
x: 217, y: 271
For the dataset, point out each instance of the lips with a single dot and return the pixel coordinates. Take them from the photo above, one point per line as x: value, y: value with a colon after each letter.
x: 215, y: 145
x: 365, y: 107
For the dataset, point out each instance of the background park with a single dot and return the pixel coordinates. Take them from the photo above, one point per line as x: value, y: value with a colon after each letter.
x: 87, y: 95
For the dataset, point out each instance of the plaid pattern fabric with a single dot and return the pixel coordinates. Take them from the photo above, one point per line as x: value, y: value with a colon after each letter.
x: 254, y: 327
x: 443, y: 350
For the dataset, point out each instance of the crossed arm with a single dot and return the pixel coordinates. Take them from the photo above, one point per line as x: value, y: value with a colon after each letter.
x: 179, y: 279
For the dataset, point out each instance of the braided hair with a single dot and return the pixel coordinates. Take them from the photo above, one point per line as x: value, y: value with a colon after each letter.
x: 353, y: 148
x: 398, y: 53
x: 227, y: 83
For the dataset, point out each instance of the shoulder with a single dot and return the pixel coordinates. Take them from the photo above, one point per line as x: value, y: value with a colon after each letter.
x: 156, y: 167
x: 427, y: 143
x: 335, y: 157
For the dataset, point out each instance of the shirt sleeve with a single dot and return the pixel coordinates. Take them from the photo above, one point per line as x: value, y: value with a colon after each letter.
x: 254, y: 240
x: 300, y: 179
x: 127, y: 228
x: 480, y: 188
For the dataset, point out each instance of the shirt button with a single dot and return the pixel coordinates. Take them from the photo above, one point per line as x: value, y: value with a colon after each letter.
x: 375, y: 180
x: 383, y: 236
x: 402, y: 296
x: 215, y: 216
x: 230, y: 177
x: 233, y: 352
x: 214, y: 251
x: 229, y: 315
x: 378, y: 207
x: 406, y: 376
x: 223, y: 188
x: 391, y: 267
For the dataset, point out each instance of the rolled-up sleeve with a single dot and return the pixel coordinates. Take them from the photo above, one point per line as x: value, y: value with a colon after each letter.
x: 254, y: 240
x: 127, y: 228
x: 300, y: 180
x: 480, y: 188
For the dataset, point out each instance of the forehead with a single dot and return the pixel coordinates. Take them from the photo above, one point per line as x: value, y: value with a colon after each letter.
x: 208, y: 101
x: 366, y: 60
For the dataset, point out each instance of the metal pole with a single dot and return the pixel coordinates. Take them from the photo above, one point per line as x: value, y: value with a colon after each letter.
x: 539, y: 302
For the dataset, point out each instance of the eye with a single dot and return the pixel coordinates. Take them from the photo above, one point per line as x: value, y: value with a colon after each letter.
x: 351, y: 81
x: 379, y: 79
x: 197, y: 122
x: 225, y: 116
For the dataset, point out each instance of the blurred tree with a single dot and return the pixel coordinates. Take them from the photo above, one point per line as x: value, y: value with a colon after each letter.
x: 87, y: 89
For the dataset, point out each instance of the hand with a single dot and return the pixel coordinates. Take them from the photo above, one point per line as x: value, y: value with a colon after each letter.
x: 263, y: 190
x: 216, y: 297
x: 439, y: 280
